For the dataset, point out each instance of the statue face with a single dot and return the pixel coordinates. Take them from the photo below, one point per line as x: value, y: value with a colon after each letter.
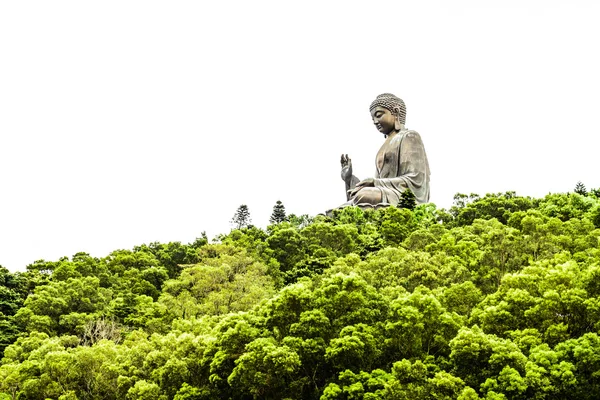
x: 383, y: 119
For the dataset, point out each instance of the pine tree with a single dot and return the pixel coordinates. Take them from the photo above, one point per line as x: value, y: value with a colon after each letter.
x: 241, y: 218
x: 408, y: 200
x: 580, y: 189
x: 278, y: 214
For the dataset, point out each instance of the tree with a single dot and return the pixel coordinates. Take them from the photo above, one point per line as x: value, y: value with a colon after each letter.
x: 241, y: 218
x: 408, y: 200
x: 466, y: 209
x: 278, y: 214
x: 580, y: 189
x: 300, y: 221
x: 396, y: 224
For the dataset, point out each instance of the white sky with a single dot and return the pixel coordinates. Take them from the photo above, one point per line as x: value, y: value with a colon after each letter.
x: 127, y: 122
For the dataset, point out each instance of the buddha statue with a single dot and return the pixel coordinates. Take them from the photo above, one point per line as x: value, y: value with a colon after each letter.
x: 401, y: 162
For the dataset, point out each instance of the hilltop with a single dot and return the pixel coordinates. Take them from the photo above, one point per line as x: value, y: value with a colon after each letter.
x: 496, y: 298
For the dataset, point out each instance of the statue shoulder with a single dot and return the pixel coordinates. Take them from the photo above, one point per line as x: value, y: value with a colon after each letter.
x: 412, y: 134
x: 407, y: 134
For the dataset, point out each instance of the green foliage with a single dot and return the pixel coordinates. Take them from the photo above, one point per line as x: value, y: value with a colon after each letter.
x: 396, y: 224
x: 500, y: 206
x: 173, y: 255
x: 219, y: 285
x: 565, y: 206
x: 497, y: 298
x: 13, y: 291
x: 299, y: 221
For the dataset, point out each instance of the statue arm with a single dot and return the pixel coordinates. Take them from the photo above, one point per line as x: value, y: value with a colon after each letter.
x: 347, y: 176
x: 351, y: 184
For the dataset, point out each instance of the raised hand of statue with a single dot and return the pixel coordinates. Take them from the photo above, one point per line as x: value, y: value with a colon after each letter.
x: 346, y: 168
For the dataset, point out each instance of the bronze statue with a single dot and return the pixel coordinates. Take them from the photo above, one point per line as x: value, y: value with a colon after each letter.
x: 401, y: 162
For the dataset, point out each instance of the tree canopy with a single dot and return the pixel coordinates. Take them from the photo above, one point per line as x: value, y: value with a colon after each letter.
x: 496, y: 298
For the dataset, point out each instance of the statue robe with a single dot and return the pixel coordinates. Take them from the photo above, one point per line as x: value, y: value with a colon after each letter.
x: 405, y: 166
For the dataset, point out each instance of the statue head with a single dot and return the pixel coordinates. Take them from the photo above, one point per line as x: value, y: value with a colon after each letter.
x: 392, y: 103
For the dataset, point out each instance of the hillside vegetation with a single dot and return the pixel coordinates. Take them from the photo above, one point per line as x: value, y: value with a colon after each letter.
x: 496, y: 298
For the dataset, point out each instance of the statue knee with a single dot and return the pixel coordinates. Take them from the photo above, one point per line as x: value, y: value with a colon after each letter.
x: 369, y: 195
